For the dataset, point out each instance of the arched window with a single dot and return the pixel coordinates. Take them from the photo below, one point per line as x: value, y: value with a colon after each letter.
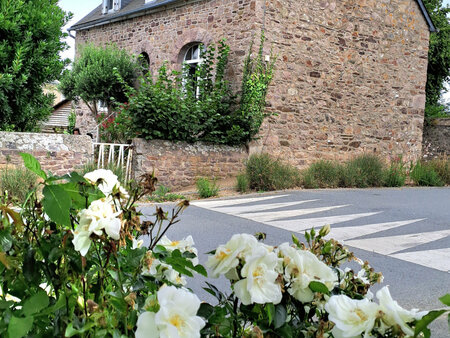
x: 193, y: 58
x: 144, y: 62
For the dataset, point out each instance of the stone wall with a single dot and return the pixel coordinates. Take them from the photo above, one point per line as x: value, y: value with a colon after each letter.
x: 178, y: 165
x: 436, y: 139
x: 56, y: 152
x: 350, y: 78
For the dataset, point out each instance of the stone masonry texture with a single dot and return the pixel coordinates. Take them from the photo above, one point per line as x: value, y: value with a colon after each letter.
x: 350, y: 75
x: 57, y: 153
x: 178, y: 165
x: 436, y: 139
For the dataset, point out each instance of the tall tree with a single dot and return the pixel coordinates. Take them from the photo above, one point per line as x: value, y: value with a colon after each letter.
x: 30, y: 42
x: 97, y: 75
x: 438, y: 56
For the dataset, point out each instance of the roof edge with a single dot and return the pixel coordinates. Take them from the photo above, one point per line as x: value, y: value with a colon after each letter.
x: 426, y: 16
x: 121, y: 16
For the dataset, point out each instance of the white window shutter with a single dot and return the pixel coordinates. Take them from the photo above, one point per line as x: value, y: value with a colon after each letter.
x: 116, y: 5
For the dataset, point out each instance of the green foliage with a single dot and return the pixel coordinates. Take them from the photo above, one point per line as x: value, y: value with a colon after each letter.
x: 442, y: 167
x: 18, y: 182
x: 363, y: 171
x: 118, y: 127
x: 322, y: 174
x: 177, y: 107
x: 395, y: 175
x: 49, y: 289
x: 163, y: 194
x: 438, y: 55
x: 72, y: 122
x: 265, y: 173
x: 423, y: 174
x: 31, y: 39
x: 206, y: 188
x: 256, y: 79
x: 242, y: 183
x: 93, y: 76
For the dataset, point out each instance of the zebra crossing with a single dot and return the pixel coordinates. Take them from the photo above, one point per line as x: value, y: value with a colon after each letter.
x: 357, y: 230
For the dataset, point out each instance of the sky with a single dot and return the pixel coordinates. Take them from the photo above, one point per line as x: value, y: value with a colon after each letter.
x: 80, y: 8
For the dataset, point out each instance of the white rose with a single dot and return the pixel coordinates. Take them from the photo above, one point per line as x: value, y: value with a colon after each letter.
x: 351, y: 317
x: 301, y: 268
x: 227, y: 256
x: 259, y: 285
x: 186, y: 244
x: 394, y: 314
x: 104, y: 179
x: 177, y: 316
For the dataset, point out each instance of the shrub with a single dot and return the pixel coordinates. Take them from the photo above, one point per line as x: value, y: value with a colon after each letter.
x: 206, y: 188
x: 442, y: 167
x: 395, y: 175
x: 362, y: 172
x: 265, y: 173
x: 322, y: 174
x: 423, y: 174
x: 242, y: 183
x: 176, y: 107
x: 18, y: 182
x: 163, y: 194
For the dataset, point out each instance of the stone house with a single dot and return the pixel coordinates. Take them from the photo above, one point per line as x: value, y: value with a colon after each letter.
x: 350, y: 74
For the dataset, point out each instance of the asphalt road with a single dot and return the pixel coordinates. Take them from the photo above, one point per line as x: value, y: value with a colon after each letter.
x: 404, y: 233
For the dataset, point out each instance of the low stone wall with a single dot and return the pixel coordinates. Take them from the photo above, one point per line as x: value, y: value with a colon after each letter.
x: 56, y: 152
x: 177, y: 165
x: 436, y: 138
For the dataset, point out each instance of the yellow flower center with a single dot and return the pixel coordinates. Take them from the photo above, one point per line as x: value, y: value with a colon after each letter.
x: 361, y: 315
x: 174, y: 243
x: 177, y: 321
x: 223, y: 254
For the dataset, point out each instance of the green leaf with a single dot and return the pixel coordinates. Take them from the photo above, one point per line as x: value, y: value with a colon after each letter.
x: 319, y: 287
x: 19, y: 327
x: 421, y: 325
x: 36, y: 303
x: 201, y: 270
x: 280, y: 316
x: 4, y: 304
x: 445, y: 299
x: 270, y: 310
x: 57, y: 204
x: 33, y: 165
x: 285, y: 331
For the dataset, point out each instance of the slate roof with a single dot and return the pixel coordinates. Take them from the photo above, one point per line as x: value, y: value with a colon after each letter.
x: 134, y: 8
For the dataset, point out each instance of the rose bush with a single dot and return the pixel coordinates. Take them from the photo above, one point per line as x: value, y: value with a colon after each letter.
x: 73, y: 263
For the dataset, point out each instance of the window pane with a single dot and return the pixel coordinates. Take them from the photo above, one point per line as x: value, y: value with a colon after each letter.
x: 195, y: 51
x: 188, y: 55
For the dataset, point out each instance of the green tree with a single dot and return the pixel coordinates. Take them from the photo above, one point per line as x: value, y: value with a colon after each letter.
x: 30, y: 42
x: 438, y: 56
x: 94, y: 76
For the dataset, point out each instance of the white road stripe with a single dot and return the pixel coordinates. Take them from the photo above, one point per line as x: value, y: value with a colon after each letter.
x: 438, y: 259
x: 345, y: 233
x: 299, y: 225
x: 220, y: 203
x: 390, y: 244
x: 274, y: 215
x: 259, y: 207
